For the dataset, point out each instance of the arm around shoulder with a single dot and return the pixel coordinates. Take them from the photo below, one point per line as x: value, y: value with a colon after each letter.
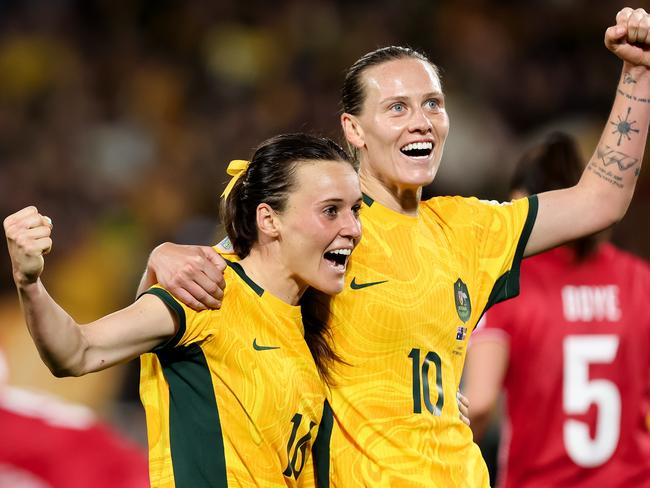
x: 193, y: 274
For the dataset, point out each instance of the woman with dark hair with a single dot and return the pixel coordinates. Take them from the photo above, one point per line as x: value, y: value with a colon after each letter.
x: 234, y: 396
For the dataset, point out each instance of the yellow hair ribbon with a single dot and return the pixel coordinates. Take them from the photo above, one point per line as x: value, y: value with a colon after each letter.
x: 236, y: 168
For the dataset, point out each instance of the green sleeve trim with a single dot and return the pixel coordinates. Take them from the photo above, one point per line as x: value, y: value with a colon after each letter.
x: 507, y: 286
x: 321, y: 447
x: 242, y: 274
x: 175, y: 307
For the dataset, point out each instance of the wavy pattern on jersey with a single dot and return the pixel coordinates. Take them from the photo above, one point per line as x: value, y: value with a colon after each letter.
x: 258, y: 391
x: 394, y: 332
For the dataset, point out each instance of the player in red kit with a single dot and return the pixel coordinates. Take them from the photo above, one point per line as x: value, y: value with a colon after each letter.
x: 572, y: 354
x: 48, y: 443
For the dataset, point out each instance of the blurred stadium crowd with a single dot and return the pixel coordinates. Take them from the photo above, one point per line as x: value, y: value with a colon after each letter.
x: 118, y: 118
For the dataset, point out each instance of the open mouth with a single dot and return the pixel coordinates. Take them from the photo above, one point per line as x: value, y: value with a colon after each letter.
x: 338, y: 258
x: 418, y: 149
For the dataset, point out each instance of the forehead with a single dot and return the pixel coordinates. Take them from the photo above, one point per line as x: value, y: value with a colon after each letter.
x: 401, y: 78
x: 321, y: 180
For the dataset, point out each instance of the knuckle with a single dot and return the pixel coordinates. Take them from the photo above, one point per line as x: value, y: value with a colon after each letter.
x: 21, y: 240
x: 195, y: 261
x: 205, y: 298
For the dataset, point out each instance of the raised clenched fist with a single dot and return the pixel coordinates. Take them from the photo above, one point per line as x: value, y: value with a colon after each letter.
x: 28, y: 239
x: 629, y: 39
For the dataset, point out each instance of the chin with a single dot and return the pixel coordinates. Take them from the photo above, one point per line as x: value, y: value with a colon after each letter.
x: 331, y: 286
x: 418, y: 178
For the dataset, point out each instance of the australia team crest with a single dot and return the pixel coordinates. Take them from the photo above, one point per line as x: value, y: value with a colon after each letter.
x: 463, y: 304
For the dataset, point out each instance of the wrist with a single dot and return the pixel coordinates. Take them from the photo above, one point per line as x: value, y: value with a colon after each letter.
x: 634, y: 73
x: 26, y: 284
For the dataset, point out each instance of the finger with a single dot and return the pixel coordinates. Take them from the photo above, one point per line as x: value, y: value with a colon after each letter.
x: 614, y: 36
x: 633, y: 25
x: 44, y: 245
x: 218, y: 265
x: 32, y: 221
x: 199, y: 295
x: 30, y: 247
x: 214, y: 257
x: 209, y: 286
x: 36, y: 232
x: 644, y: 28
x: 26, y: 212
x: 17, y: 218
x: 47, y: 221
x: 215, y: 272
x: 186, y: 298
x: 19, y: 221
x: 623, y: 15
x: 465, y: 419
x: 462, y: 398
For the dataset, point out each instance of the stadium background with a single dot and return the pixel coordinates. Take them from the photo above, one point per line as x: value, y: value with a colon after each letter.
x: 118, y: 117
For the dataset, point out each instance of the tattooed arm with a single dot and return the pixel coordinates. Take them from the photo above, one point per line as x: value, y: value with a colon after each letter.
x: 603, y: 194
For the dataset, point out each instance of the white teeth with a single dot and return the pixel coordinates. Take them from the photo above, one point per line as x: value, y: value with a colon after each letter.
x: 418, y: 145
x: 345, y: 252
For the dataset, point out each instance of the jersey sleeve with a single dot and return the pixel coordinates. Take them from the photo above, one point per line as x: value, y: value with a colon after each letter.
x: 500, y: 239
x: 193, y: 326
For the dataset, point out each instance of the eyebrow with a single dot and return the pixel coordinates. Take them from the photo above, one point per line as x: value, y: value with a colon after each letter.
x: 339, y: 200
x: 403, y: 98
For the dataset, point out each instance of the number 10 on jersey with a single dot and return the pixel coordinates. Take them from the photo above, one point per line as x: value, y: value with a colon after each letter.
x: 421, y: 389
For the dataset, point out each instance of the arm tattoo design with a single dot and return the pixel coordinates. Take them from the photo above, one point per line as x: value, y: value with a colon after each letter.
x: 609, y: 156
x: 627, y: 79
x: 624, y: 127
x: 632, y: 97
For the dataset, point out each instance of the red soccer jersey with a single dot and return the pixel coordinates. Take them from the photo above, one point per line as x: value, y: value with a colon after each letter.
x: 578, y: 376
x: 45, y: 443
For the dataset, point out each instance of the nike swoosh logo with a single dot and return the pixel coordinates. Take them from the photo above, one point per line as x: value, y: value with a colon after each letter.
x: 357, y: 286
x: 258, y: 347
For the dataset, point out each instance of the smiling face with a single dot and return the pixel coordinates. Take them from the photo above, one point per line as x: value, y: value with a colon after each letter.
x: 320, y: 225
x: 402, y: 127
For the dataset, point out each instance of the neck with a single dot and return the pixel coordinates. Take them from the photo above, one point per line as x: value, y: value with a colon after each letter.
x: 401, y: 200
x: 265, y: 267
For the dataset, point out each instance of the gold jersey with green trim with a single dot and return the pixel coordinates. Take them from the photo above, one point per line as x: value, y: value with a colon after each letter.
x: 415, y: 289
x: 234, y: 398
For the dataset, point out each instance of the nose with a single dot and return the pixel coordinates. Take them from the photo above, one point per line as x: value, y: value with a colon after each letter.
x: 420, y: 122
x: 351, y: 226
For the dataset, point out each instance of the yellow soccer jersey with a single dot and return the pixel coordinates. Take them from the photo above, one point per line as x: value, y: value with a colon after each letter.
x: 234, y: 398
x: 415, y: 289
